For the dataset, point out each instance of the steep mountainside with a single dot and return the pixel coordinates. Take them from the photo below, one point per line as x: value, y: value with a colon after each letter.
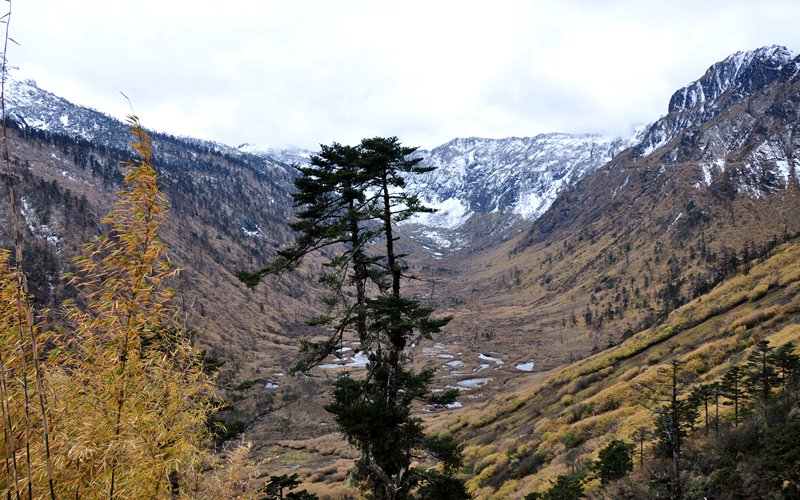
x: 725, y: 83
x: 506, y: 180
x: 229, y: 208
x: 519, y: 442
x: 228, y: 211
x: 644, y: 233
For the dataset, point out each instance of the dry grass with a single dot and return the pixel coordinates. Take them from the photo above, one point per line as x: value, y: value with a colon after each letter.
x: 580, y: 408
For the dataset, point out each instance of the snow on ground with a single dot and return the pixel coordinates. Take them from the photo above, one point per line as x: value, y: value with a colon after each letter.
x: 525, y: 367
x: 450, y: 214
x: 357, y: 361
x: 496, y: 361
x: 473, y: 383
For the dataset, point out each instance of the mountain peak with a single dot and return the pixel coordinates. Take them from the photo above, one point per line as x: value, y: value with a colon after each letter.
x: 724, y: 84
x: 741, y: 72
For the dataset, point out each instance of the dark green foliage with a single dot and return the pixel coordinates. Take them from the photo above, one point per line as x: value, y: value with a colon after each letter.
x: 284, y: 483
x: 761, y: 376
x: 675, y: 413
x: 529, y: 465
x: 349, y: 199
x: 210, y: 362
x: 449, y: 452
x: 443, y: 399
x: 732, y: 387
x: 781, y: 457
x: 565, y: 487
x: 442, y: 487
x: 786, y: 363
x: 251, y: 279
x: 247, y: 384
x: 702, y: 396
x: 614, y: 461
x: 724, y: 483
x: 756, y: 455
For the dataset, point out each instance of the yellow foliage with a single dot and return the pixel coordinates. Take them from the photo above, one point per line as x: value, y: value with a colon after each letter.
x: 789, y: 333
x: 128, y: 396
x: 754, y: 318
x: 760, y: 290
x: 130, y: 419
x: 24, y: 430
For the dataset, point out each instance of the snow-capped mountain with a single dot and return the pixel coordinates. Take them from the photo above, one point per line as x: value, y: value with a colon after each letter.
x: 517, y: 177
x: 512, y: 179
x: 33, y: 107
x: 735, y: 124
x: 724, y: 84
x: 286, y: 156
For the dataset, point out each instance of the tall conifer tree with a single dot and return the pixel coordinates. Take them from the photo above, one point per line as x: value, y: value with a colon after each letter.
x: 353, y: 197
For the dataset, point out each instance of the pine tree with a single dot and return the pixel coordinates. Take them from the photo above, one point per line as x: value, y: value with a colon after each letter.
x: 615, y: 461
x: 787, y: 364
x: 332, y: 209
x: 761, y: 376
x: 353, y: 197
x: 702, y: 395
x: 732, y: 387
x: 675, y: 414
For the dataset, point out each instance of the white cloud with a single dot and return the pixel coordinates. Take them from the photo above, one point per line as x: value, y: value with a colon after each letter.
x: 308, y: 72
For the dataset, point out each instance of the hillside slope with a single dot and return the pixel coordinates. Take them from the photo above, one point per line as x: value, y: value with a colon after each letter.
x: 519, y: 441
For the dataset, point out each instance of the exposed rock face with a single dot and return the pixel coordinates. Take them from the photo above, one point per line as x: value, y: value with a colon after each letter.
x: 483, y: 187
x: 520, y: 176
x: 723, y: 85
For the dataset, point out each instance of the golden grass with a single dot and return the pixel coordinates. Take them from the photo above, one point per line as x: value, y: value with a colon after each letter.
x: 580, y: 408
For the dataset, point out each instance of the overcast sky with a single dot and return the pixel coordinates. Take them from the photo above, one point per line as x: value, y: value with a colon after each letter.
x: 304, y: 73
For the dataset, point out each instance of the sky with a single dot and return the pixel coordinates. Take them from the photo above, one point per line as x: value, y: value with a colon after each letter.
x: 302, y: 73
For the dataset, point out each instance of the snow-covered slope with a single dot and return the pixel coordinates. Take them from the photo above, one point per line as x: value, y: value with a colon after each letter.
x: 724, y: 84
x: 33, y: 107
x: 736, y: 123
x: 519, y: 176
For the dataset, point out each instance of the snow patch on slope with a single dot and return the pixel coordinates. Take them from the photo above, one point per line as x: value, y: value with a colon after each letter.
x: 518, y: 176
x: 450, y: 214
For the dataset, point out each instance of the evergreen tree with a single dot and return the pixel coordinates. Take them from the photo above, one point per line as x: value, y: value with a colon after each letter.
x: 732, y: 387
x: 703, y: 395
x: 565, y: 487
x: 353, y: 197
x: 761, y: 376
x: 332, y: 209
x: 615, y: 461
x: 787, y: 364
x: 280, y: 488
x: 675, y: 414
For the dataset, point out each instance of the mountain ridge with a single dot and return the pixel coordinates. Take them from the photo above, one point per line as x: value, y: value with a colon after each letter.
x: 624, y: 244
x: 723, y: 84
